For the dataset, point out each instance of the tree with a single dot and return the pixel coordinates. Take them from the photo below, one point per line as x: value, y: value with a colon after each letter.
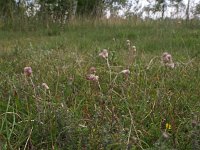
x: 55, y: 10
x: 159, y: 6
x: 187, y: 11
x: 96, y: 7
x: 177, y: 4
x: 134, y: 10
x: 49, y: 11
x: 197, y: 10
x: 7, y: 9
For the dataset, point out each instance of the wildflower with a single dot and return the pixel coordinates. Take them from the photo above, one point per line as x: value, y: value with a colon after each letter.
x: 45, y: 86
x: 28, y: 71
x: 92, y: 77
x: 134, y: 48
x: 165, y: 135
x: 126, y: 72
x: 128, y: 42
x: 168, y: 126
x: 104, y: 53
x: 92, y: 70
x: 167, y: 60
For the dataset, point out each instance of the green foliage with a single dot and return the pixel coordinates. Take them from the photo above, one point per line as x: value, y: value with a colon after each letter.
x: 95, y: 7
x: 197, y: 9
x: 6, y: 7
x: 89, y: 7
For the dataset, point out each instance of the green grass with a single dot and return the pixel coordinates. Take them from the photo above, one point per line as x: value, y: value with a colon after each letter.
x: 130, y: 113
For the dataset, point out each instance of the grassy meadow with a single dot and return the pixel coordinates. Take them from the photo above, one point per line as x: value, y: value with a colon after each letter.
x: 152, y: 107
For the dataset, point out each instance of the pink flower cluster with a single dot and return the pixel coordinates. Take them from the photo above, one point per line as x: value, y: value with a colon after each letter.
x: 28, y: 71
x: 167, y: 60
x: 104, y: 53
x: 91, y: 76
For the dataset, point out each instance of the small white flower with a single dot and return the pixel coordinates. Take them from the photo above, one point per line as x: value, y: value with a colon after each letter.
x: 134, y: 48
x: 126, y: 71
x: 128, y: 42
x: 104, y: 53
x: 45, y: 86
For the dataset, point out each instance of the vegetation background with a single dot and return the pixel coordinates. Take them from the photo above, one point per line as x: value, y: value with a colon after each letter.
x: 152, y: 107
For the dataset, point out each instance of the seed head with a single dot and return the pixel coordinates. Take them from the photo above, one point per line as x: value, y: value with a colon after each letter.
x: 45, y: 86
x: 92, y: 77
x: 104, y: 53
x: 166, y: 58
x: 126, y: 72
x: 128, y: 42
x: 134, y: 48
x: 28, y: 71
x: 92, y: 70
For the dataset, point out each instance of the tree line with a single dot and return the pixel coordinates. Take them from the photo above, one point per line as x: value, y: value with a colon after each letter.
x: 61, y: 11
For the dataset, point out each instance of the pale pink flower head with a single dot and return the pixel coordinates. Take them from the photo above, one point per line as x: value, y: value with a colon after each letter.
x: 92, y: 70
x: 28, y: 71
x: 104, y: 53
x: 92, y: 77
x: 126, y: 71
x: 45, y: 86
x: 166, y: 58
